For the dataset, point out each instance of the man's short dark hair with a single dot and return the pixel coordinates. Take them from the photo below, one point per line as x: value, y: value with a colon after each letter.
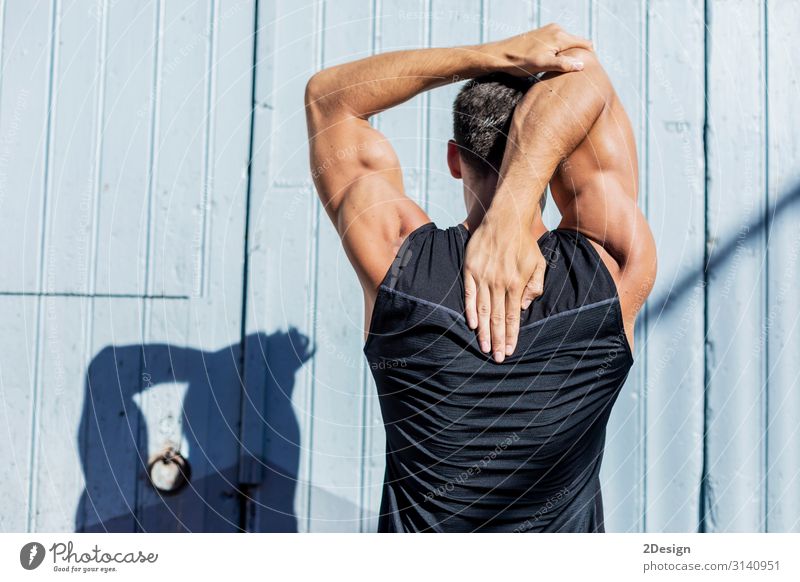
x: 482, y: 115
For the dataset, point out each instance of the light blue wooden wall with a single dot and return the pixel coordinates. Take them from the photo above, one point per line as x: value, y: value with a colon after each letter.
x: 159, y: 288
x: 124, y: 142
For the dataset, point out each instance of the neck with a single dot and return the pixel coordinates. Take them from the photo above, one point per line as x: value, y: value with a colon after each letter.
x: 477, y: 213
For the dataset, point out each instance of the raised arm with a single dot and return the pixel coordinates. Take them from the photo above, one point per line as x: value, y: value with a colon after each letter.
x: 596, y: 190
x: 570, y: 129
x: 355, y: 169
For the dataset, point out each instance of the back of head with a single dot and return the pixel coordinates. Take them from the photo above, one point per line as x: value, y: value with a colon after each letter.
x: 482, y: 114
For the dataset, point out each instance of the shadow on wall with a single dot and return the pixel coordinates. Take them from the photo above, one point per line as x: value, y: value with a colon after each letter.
x: 113, y: 436
x: 722, y: 253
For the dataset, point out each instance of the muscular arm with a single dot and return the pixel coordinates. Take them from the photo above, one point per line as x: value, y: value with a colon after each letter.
x: 572, y: 129
x: 596, y: 190
x: 355, y: 169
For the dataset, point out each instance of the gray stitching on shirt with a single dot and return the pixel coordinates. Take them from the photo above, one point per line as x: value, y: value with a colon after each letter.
x: 570, y: 312
x: 423, y: 301
x: 534, y: 324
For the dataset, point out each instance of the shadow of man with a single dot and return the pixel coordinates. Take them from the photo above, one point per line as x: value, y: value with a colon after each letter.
x: 116, y: 442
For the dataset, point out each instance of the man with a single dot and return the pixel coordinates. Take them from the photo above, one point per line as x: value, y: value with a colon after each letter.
x: 501, y: 428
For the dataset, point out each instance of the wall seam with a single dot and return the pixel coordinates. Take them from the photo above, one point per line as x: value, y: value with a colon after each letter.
x: 83, y: 445
x: 242, y: 490
x: 314, y: 295
x: 766, y: 302
x: 153, y: 140
x: 366, y: 411
x: 645, y: 140
x: 208, y: 152
x: 37, y: 388
x: 152, y: 162
x: 703, y: 502
x: 91, y: 284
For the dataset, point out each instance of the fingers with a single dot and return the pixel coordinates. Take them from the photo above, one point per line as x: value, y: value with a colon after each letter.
x: 560, y: 64
x: 535, y: 286
x: 497, y: 321
x: 484, y: 311
x: 512, y: 320
x: 567, y: 64
x: 491, y: 309
x: 470, y: 300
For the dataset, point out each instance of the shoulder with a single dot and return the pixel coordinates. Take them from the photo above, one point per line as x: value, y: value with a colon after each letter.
x: 373, y: 221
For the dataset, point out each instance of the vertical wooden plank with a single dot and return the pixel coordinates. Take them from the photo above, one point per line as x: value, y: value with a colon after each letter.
x: 252, y: 457
x: 452, y: 23
x: 125, y: 150
x: 280, y: 280
x: 170, y: 373
x: 216, y: 321
x: 781, y: 327
x: 180, y: 196
x: 509, y: 17
x: 574, y: 16
x: 57, y: 468
x: 193, y: 351
x: 300, y: 50
x: 107, y: 434
x: 504, y: 18
x: 235, y: 115
x: 71, y: 200
x: 17, y: 372
x: 402, y: 26
x: 735, y: 478
x: 673, y: 339
x: 24, y: 103
x: 338, y: 394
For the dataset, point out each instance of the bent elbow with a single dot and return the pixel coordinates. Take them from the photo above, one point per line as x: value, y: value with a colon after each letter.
x: 315, y: 90
x: 324, y: 96
x: 594, y: 74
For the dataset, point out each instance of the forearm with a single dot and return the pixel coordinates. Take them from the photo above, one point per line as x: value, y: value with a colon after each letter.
x: 368, y: 86
x: 550, y: 121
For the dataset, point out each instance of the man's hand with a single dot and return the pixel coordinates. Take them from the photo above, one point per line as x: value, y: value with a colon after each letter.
x: 501, y: 255
x: 537, y: 51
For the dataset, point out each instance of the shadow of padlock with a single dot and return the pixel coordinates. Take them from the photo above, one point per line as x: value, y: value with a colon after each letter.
x: 168, y: 471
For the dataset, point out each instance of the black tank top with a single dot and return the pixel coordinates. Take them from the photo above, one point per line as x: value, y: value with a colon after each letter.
x: 472, y: 445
